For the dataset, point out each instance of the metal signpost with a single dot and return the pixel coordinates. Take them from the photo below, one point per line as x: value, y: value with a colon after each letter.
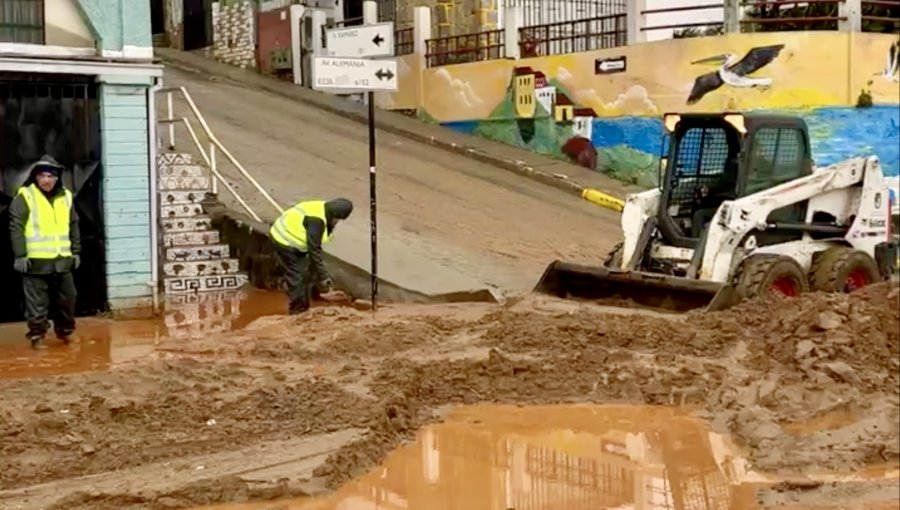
x: 347, y: 69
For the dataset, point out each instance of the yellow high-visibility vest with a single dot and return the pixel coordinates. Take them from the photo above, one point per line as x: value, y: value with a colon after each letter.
x: 47, y: 227
x: 288, y: 229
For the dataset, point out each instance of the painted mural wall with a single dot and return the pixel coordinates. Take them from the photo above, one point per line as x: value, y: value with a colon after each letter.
x: 408, y: 90
x: 603, y: 109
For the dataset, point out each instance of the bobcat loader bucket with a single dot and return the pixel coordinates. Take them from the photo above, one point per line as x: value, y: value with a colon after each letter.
x: 596, y: 283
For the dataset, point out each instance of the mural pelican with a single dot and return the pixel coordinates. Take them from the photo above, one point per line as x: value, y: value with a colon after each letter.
x: 892, y: 69
x: 734, y: 72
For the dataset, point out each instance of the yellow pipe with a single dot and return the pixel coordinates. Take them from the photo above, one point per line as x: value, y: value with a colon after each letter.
x: 602, y: 199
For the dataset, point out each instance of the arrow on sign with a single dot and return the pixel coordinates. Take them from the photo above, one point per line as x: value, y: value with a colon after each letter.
x: 378, y: 40
x: 384, y: 74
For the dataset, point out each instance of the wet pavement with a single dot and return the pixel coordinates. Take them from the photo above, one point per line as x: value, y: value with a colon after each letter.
x: 554, y: 458
x: 102, y: 343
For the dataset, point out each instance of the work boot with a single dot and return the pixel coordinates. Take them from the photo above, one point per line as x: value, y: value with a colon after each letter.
x: 37, y: 342
x: 67, y: 338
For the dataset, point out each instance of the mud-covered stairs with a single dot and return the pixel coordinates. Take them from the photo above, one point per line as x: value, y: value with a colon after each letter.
x: 193, y: 257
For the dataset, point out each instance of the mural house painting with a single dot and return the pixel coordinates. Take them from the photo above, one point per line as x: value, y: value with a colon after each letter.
x: 562, y: 106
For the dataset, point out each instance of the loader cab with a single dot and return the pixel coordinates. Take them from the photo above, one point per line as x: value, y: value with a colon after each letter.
x: 713, y: 158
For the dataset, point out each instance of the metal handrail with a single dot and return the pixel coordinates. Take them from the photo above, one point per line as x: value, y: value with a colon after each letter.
x: 215, y: 143
x: 211, y: 164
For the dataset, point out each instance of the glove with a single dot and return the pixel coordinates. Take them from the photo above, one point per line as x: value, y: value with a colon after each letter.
x: 326, y: 286
x: 22, y: 264
x: 76, y: 261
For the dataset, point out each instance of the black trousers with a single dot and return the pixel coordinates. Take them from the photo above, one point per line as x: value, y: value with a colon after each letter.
x: 49, y: 296
x: 298, y: 273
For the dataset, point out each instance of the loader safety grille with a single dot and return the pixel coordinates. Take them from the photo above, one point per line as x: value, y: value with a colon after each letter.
x: 700, y: 169
x: 778, y: 156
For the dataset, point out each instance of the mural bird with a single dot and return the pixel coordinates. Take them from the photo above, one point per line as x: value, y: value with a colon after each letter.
x: 733, y: 72
x: 892, y: 69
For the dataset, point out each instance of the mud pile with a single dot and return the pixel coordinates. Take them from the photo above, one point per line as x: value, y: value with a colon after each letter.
x: 803, y: 384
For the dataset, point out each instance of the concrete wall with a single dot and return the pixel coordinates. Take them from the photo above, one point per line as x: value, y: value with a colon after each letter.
x: 65, y: 25
x: 121, y: 26
x: 234, y: 33
x: 126, y: 191
x: 828, y: 78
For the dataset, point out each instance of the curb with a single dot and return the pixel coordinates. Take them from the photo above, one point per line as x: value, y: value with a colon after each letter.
x: 562, y: 183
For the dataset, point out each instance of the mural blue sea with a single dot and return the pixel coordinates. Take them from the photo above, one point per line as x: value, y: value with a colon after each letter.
x: 628, y: 147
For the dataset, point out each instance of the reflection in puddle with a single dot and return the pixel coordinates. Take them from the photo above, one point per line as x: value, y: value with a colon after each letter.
x: 106, y: 342
x: 556, y: 458
x: 551, y: 458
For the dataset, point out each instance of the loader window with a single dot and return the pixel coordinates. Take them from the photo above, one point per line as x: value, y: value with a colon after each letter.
x: 778, y: 156
x: 705, y: 168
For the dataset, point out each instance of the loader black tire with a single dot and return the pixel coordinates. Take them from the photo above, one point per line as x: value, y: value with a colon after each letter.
x: 842, y: 269
x: 613, y: 260
x: 760, y: 275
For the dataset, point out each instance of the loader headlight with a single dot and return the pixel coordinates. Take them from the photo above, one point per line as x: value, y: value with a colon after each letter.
x: 724, y: 215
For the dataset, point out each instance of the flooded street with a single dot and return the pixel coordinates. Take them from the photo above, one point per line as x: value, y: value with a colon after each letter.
x: 102, y: 343
x: 532, y: 405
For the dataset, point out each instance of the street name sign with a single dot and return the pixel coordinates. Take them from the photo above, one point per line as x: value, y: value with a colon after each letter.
x: 376, y: 40
x: 331, y: 73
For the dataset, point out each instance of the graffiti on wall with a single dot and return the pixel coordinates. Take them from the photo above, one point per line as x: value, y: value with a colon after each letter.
x: 601, y: 109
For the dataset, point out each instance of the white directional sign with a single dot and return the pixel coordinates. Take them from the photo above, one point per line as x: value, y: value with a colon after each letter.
x: 376, y: 40
x: 354, y: 74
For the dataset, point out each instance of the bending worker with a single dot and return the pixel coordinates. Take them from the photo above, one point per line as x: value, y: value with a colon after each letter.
x: 43, y: 227
x: 299, y: 235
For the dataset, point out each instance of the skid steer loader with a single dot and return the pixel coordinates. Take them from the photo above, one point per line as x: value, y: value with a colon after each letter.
x: 739, y: 212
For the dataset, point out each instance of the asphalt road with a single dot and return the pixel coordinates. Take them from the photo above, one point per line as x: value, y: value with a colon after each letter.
x: 445, y: 222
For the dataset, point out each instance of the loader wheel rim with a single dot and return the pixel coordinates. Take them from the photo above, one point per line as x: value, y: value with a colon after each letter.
x: 857, y: 279
x: 786, y: 286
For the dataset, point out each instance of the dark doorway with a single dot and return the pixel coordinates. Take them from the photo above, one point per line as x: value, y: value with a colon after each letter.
x: 157, y: 17
x: 197, y: 24
x: 57, y: 115
x: 353, y: 12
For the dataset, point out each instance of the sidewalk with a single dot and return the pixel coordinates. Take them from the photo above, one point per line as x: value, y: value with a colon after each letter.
x: 559, y: 174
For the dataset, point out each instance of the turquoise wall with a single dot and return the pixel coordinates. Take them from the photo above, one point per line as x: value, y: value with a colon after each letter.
x: 118, y: 23
x: 126, y: 193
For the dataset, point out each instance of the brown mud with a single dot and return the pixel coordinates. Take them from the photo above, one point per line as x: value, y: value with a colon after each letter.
x: 291, y: 406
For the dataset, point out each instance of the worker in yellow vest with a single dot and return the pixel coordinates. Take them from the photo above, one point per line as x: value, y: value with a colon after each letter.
x: 298, y: 236
x: 46, y: 243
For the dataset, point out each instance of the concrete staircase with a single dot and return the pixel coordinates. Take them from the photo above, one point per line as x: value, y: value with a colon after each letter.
x: 193, y: 257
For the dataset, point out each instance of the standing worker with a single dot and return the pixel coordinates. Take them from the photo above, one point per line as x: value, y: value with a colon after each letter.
x: 43, y: 227
x: 299, y: 235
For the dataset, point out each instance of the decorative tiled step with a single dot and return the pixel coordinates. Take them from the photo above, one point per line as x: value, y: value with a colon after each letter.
x: 191, y: 238
x: 180, y: 302
x: 189, y: 284
x: 174, y: 158
x: 181, y: 315
x: 194, y: 196
x: 198, y: 253
x: 193, y: 224
x: 180, y: 210
x: 183, y: 183
x: 182, y: 171
x: 201, y: 267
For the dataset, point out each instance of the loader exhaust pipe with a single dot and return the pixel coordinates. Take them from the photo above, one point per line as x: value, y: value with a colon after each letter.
x: 670, y: 293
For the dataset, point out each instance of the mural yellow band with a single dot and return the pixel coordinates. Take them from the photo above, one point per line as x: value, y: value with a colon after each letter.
x: 602, y: 199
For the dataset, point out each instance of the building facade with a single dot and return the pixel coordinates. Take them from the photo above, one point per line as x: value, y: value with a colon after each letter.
x: 76, y: 82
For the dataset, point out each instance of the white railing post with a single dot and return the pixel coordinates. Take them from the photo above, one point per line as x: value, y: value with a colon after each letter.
x: 512, y: 20
x: 171, y: 107
x: 421, y: 35
x: 852, y: 11
x: 370, y: 12
x: 636, y: 20
x: 732, y: 16
x: 296, y: 17
x: 212, y: 163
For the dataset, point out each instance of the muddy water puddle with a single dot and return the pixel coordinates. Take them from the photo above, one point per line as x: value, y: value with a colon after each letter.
x: 556, y: 458
x: 102, y: 343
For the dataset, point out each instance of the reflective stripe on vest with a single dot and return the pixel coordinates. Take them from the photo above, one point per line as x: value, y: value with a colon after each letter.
x: 288, y: 229
x: 47, y: 227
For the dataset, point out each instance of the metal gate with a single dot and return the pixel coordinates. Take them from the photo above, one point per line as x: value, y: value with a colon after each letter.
x: 60, y: 116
